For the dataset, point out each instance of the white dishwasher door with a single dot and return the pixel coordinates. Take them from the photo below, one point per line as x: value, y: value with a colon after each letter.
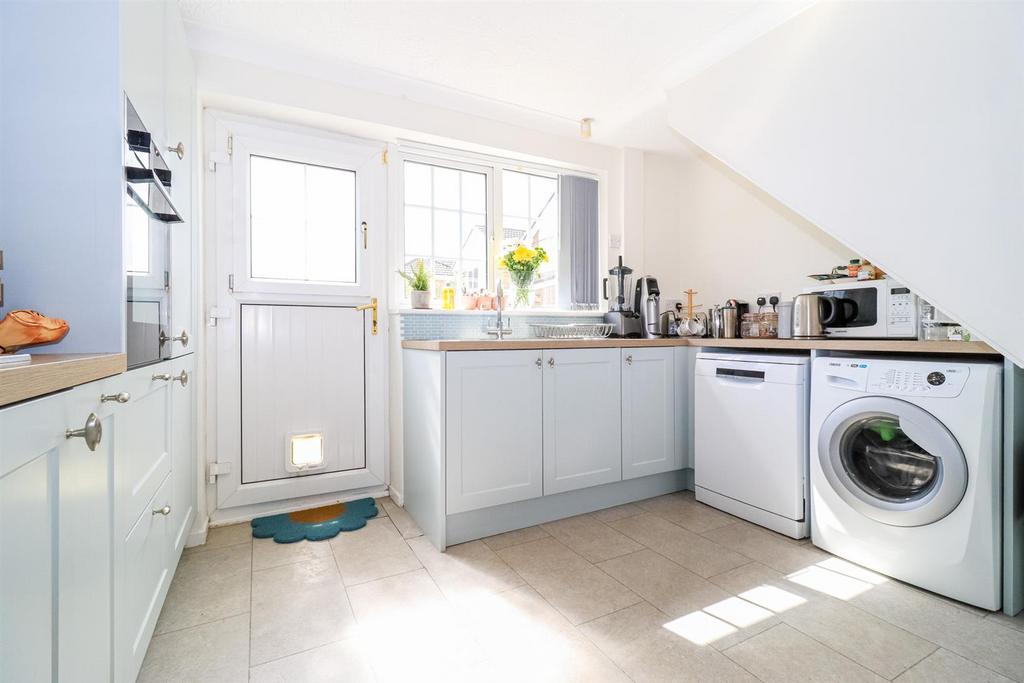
x: 750, y: 430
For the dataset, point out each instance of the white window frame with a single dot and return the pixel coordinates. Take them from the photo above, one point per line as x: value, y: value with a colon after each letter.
x: 493, y: 167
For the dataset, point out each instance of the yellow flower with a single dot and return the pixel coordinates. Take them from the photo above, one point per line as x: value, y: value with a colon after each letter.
x: 545, y: 257
x: 502, y: 264
x: 523, y: 254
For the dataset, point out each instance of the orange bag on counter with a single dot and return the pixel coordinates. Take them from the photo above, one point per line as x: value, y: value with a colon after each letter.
x: 28, y: 328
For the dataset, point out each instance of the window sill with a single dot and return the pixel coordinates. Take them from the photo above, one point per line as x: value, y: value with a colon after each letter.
x: 554, y: 313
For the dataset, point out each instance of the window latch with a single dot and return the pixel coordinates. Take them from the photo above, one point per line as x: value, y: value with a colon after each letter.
x: 366, y: 231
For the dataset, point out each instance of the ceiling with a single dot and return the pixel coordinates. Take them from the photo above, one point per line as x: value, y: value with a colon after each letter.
x: 610, y: 61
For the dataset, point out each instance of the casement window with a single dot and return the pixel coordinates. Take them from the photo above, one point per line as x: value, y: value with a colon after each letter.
x: 459, y: 218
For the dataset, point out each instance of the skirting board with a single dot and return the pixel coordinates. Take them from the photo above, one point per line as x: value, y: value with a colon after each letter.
x: 769, y: 520
x: 469, y: 526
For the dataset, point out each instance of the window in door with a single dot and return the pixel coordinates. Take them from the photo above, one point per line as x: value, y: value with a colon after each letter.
x: 446, y: 225
x: 302, y: 222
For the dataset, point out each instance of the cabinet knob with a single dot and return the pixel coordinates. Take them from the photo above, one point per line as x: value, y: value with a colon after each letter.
x: 629, y: 359
x: 92, y: 432
x: 178, y: 149
x: 551, y: 362
x: 540, y: 363
x: 165, y: 510
x: 121, y: 397
x: 165, y: 376
x: 183, y: 338
x: 183, y: 378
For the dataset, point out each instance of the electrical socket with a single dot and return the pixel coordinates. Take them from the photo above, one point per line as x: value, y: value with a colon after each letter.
x: 767, y: 296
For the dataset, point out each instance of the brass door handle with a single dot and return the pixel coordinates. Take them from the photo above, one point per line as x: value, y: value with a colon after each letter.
x: 372, y: 306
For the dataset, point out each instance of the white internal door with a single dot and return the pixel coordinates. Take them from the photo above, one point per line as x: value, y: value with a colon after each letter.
x: 301, y: 376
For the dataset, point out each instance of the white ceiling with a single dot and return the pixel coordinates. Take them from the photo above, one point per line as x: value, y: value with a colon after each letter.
x: 610, y: 61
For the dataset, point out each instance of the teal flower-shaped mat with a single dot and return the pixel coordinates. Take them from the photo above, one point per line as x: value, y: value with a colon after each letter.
x: 317, y: 524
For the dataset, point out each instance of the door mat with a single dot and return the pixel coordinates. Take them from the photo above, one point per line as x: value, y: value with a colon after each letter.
x: 315, y: 524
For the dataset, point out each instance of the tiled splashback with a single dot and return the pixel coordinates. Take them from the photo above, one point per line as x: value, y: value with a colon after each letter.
x: 454, y: 326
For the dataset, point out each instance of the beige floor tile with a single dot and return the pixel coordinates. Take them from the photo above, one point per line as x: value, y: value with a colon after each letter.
x: 342, y: 662
x: 267, y: 553
x: 217, y: 652
x: 681, y: 508
x: 744, y: 578
x: 221, y: 536
x: 575, y: 587
x: 784, y: 654
x: 297, y: 607
x: 411, y: 632
x: 526, y: 639
x: 663, y: 583
x: 511, y: 538
x: 207, y: 586
x: 696, y: 553
x: 637, y: 639
x: 1016, y: 623
x: 468, y: 568
x: 405, y: 524
x: 767, y: 547
x: 591, y: 538
x: 373, y: 552
x: 944, y: 666
x: 618, y: 512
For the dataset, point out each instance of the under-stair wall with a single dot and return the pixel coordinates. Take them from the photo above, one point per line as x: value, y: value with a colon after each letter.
x: 897, y: 128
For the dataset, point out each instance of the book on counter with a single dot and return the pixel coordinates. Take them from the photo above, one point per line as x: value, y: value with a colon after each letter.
x: 14, y: 359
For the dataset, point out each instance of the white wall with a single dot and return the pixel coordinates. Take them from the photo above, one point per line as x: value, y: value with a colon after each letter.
x: 895, y: 127
x: 60, y: 168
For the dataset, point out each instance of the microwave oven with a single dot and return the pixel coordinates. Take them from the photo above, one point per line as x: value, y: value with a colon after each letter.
x: 871, y: 309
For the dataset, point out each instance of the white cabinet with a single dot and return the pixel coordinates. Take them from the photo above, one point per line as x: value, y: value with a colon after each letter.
x: 582, y: 418
x: 493, y: 427
x: 649, y: 418
x: 183, y: 453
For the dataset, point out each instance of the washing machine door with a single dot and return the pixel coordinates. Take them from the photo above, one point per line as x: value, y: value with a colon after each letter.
x: 892, y: 461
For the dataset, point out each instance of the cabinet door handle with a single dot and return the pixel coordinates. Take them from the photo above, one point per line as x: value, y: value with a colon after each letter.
x: 165, y: 376
x: 551, y: 362
x: 122, y: 397
x: 183, y: 338
x: 629, y: 359
x: 178, y: 149
x: 165, y: 510
x: 92, y: 432
x: 183, y: 378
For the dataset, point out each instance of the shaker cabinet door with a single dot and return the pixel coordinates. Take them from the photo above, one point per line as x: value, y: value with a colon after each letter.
x: 649, y: 412
x: 183, y: 456
x: 493, y: 428
x: 582, y: 419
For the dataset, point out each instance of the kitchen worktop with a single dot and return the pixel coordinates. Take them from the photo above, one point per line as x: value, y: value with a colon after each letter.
x: 858, y: 345
x: 50, y: 372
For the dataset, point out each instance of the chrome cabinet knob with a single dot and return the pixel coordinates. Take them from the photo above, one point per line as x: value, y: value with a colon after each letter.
x: 92, y: 432
x: 629, y: 359
x: 551, y: 362
x: 183, y: 378
x: 122, y: 397
x: 178, y: 149
x: 165, y: 376
x: 165, y: 510
x: 540, y: 363
x: 183, y: 338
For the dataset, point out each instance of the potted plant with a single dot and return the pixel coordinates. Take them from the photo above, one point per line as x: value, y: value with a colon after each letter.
x: 522, y: 264
x: 419, y: 282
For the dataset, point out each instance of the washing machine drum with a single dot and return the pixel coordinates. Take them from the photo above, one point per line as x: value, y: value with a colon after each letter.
x: 892, y: 461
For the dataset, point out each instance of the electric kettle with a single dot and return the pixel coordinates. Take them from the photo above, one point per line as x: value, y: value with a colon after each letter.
x: 811, y: 313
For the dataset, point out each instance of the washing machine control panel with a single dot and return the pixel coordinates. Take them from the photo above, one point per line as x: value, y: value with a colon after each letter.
x: 907, y: 378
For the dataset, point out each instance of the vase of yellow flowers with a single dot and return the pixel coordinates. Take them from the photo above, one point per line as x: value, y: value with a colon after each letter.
x: 522, y: 264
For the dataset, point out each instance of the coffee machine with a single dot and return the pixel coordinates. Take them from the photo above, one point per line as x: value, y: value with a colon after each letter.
x: 621, y: 315
x: 647, y: 302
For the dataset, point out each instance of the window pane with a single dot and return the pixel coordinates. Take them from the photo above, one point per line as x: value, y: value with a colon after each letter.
x: 447, y: 234
x: 542, y: 195
x: 417, y: 184
x: 474, y: 192
x: 418, y: 238
x: 531, y: 218
x: 302, y: 221
x: 515, y: 198
x: 474, y: 236
x: 446, y: 188
x: 473, y: 276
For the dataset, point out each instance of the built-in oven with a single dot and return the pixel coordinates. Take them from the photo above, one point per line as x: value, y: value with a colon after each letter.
x: 871, y: 309
x: 148, y: 211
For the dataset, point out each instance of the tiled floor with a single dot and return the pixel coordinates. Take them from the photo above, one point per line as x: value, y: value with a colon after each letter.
x: 662, y: 590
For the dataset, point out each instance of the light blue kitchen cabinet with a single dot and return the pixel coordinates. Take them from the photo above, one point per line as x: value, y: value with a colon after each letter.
x: 649, y: 417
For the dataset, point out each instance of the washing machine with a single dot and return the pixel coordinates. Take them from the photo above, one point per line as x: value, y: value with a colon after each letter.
x: 906, y: 462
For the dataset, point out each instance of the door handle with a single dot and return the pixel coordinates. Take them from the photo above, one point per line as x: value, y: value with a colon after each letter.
x: 165, y: 510
x: 372, y: 306
x: 183, y: 378
x: 629, y: 359
x: 122, y: 397
x: 183, y: 338
x: 551, y: 362
x: 92, y: 432
x: 165, y: 376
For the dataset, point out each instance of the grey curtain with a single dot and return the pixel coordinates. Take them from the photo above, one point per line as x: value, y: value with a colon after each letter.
x: 579, y: 230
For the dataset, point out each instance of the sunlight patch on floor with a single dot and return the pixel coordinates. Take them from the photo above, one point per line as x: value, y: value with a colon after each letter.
x: 700, y: 628
x: 830, y: 583
x: 738, y: 612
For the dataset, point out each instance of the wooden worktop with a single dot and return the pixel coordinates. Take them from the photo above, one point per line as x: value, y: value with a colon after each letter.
x: 857, y: 345
x: 50, y: 372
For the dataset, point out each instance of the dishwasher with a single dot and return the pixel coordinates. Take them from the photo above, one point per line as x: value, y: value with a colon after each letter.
x: 750, y: 437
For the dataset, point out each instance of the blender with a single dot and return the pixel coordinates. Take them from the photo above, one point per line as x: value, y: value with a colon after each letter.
x: 624, y: 320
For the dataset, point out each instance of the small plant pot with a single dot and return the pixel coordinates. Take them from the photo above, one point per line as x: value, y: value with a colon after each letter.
x: 419, y: 299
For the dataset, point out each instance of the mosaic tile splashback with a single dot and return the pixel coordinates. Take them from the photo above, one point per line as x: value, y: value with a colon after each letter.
x: 449, y: 326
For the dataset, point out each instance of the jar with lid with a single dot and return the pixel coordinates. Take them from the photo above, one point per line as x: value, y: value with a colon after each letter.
x: 750, y: 325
